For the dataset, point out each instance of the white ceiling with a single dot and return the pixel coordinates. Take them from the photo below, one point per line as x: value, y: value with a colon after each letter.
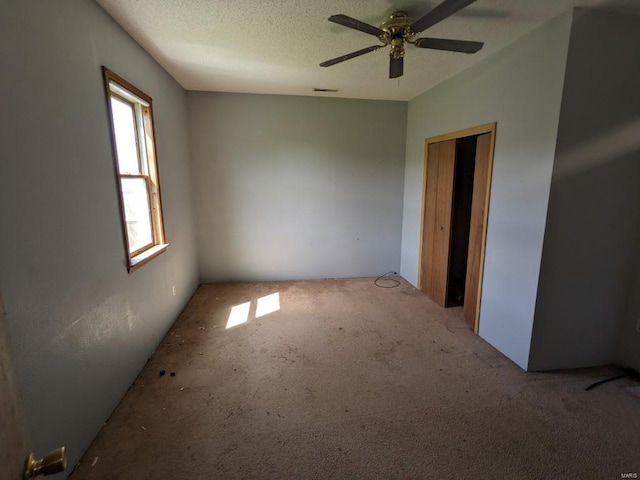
x: 275, y: 46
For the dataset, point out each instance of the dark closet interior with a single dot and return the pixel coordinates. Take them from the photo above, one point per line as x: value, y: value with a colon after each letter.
x: 461, y: 218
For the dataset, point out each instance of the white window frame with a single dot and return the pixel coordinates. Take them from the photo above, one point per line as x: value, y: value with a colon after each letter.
x: 120, y: 89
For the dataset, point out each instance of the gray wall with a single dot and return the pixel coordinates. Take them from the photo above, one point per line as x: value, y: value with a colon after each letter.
x: 81, y: 326
x: 296, y: 187
x: 520, y: 88
x: 593, y: 223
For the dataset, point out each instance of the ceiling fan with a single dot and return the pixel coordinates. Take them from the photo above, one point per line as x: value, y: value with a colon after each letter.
x: 400, y: 29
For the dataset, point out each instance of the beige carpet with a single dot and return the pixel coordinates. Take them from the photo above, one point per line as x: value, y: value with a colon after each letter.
x: 350, y: 381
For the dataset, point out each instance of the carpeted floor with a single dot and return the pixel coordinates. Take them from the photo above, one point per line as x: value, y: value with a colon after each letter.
x: 350, y: 381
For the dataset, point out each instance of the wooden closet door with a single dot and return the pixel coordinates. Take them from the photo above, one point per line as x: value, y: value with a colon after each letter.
x: 478, y: 206
x: 441, y: 160
x: 429, y: 221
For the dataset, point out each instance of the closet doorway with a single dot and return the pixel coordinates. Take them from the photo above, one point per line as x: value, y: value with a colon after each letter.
x: 455, y: 206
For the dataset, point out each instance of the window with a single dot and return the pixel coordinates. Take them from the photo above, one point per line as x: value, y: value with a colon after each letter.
x: 136, y: 169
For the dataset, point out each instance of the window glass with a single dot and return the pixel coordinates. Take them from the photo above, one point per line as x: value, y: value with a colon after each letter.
x: 137, y: 213
x: 124, y: 126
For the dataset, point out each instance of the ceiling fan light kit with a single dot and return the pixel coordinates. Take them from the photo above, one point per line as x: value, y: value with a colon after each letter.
x: 399, y: 29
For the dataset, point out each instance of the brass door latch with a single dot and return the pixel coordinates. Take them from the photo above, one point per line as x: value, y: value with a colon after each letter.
x: 53, y: 462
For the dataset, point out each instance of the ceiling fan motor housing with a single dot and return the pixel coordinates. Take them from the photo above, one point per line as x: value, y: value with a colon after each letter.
x: 396, y: 30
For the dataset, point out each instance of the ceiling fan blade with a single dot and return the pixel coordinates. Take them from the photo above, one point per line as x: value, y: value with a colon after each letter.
x: 442, y: 11
x: 396, y: 66
x: 463, y: 46
x: 356, y: 24
x: 351, y: 55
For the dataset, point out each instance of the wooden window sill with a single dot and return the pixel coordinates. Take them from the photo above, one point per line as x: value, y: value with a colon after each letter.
x: 146, y: 256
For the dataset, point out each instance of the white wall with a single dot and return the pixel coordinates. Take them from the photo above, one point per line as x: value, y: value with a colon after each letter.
x: 520, y: 88
x: 593, y: 222
x: 81, y: 326
x: 296, y: 187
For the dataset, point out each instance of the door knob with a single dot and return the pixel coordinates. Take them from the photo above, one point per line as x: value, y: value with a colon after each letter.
x: 53, y: 462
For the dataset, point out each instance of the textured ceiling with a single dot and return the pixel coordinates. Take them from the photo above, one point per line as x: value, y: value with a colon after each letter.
x: 275, y: 46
